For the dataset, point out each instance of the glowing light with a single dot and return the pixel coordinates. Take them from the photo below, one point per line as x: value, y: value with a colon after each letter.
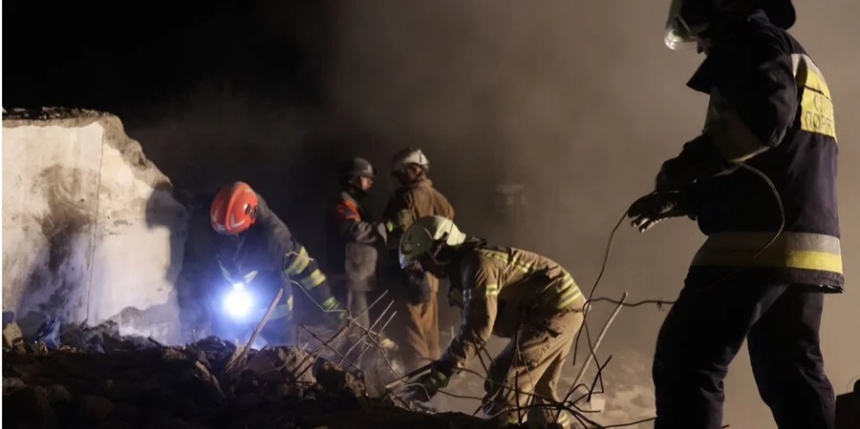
x: 238, y: 303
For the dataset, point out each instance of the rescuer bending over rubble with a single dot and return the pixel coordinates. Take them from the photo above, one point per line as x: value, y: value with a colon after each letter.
x: 508, y: 292
x: 761, y: 181
x: 416, y: 330
x: 254, y: 241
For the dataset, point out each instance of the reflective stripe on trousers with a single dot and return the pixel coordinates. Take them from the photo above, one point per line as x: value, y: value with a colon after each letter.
x: 790, y: 250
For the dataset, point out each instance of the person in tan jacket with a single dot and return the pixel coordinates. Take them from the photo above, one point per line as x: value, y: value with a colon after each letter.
x: 508, y: 292
x: 417, y: 330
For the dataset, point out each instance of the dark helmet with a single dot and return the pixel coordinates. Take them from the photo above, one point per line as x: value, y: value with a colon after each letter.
x: 781, y: 13
x: 690, y: 17
x: 356, y: 167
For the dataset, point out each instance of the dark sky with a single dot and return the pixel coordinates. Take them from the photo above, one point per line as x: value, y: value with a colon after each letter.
x: 579, y: 101
x: 126, y: 56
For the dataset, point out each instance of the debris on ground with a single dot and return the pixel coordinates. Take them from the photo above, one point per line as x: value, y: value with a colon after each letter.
x: 95, y: 378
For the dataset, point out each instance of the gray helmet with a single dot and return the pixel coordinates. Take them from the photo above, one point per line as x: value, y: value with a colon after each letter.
x: 356, y: 167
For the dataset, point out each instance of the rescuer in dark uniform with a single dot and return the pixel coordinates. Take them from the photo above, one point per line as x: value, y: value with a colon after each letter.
x: 254, y: 240
x: 761, y: 182
x: 355, y: 240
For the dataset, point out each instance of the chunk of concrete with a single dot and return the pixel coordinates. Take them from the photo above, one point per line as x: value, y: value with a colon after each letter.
x: 11, y: 335
x: 91, y: 230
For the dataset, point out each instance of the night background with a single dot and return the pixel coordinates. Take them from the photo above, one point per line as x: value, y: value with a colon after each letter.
x: 578, y: 101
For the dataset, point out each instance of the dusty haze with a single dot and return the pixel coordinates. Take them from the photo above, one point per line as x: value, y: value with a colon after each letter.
x: 581, y: 104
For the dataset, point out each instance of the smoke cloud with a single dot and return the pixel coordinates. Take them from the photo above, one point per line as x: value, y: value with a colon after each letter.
x: 580, y: 102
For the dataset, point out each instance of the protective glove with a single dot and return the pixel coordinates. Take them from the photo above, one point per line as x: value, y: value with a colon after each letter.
x: 334, y: 319
x: 699, y: 160
x: 674, y: 175
x: 418, y: 290
x: 653, y: 208
x: 428, y: 385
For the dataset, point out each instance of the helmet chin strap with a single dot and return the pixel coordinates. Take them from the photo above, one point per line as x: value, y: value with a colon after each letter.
x: 437, y: 247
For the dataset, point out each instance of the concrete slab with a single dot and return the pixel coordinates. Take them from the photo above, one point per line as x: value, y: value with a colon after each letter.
x: 91, y: 231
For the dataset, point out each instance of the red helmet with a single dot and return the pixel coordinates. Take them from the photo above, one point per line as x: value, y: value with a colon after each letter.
x: 234, y: 209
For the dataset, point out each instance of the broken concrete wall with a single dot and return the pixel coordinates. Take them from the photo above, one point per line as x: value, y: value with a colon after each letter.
x: 91, y: 230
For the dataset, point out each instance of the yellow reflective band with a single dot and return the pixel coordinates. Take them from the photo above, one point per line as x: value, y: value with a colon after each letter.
x: 501, y: 256
x: 313, y: 280
x: 487, y: 290
x: 330, y: 304
x: 300, y: 261
x: 568, y: 292
x: 790, y: 250
x: 816, y: 105
x: 569, y: 298
x: 290, y: 302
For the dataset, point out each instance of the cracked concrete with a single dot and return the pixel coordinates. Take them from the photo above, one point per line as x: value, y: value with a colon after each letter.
x: 91, y: 230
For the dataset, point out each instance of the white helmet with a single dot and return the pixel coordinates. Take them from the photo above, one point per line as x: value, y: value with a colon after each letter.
x: 420, y: 237
x: 409, y: 156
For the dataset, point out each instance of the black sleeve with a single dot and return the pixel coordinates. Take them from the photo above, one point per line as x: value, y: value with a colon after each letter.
x: 295, y: 261
x: 755, y: 96
x: 753, y: 104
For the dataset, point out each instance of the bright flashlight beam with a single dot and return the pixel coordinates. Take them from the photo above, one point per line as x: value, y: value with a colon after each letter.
x: 238, y: 303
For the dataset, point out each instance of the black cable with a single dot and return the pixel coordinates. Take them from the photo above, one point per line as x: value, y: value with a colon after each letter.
x: 659, y: 302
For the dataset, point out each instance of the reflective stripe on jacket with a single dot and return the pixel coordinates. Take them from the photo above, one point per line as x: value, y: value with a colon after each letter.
x: 772, y: 110
x: 269, y: 246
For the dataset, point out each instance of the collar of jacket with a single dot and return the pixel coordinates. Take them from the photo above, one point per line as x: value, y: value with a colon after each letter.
x: 419, y: 183
x: 468, y: 246
x: 729, y: 33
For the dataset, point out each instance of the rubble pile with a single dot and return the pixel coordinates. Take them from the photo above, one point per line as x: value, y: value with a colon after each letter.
x: 98, y: 379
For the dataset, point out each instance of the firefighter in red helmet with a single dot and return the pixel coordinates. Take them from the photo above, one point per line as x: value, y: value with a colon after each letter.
x: 257, y: 241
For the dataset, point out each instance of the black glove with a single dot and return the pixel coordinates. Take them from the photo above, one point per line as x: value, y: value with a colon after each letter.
x: 428, y: 385
x: 418, y: 290
x: 651, y: 209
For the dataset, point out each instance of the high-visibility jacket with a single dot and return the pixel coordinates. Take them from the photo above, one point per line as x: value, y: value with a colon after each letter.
x: 504, y: 288
x: 771, y: 109
x: 269, y: 246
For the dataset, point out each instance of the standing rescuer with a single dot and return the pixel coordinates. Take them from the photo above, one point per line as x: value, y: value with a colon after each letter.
x: 417, y: 330
x: 256, y: 240
x: 761, y: 182
x: 354, y: 238
x: 508, y: 292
